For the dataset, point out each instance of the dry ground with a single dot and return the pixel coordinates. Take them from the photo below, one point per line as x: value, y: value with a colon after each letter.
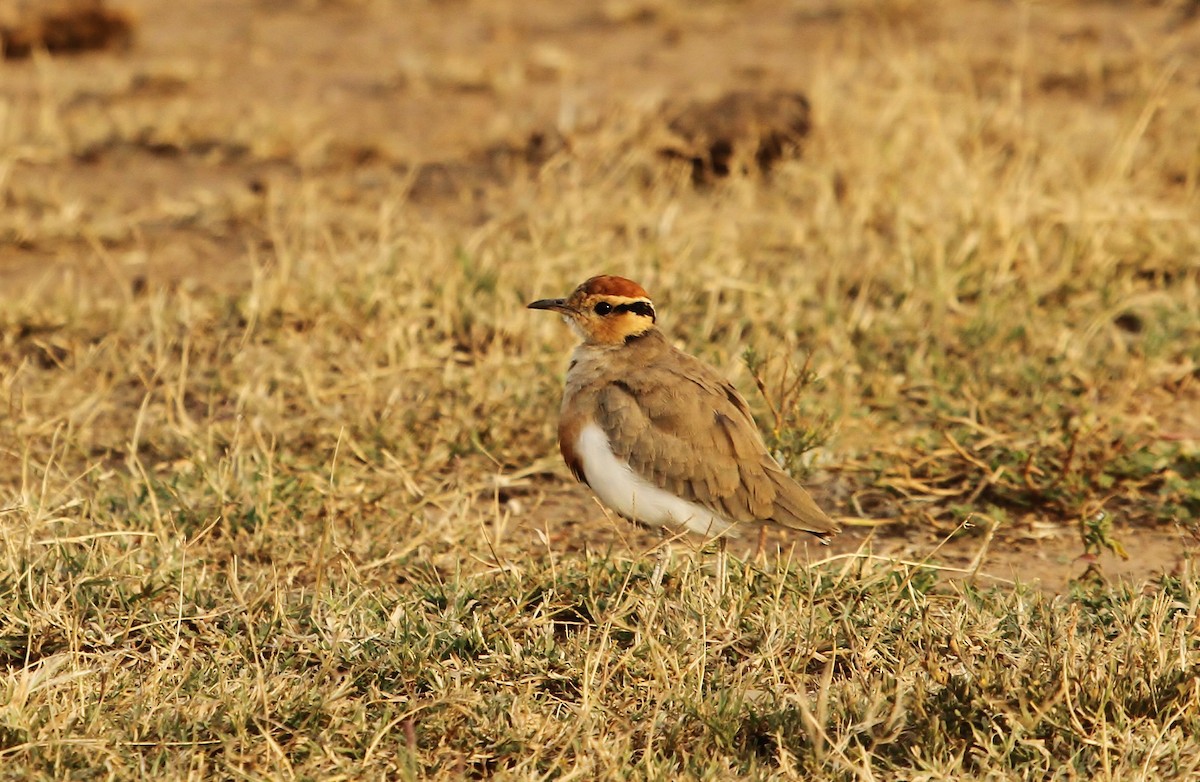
x: 276, y: 452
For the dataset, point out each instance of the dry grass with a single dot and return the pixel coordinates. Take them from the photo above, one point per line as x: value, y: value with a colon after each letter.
x: 172, y: 664
x: 281, y: 526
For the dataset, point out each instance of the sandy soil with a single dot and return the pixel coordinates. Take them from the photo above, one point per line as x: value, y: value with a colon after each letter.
x: 553, y: 521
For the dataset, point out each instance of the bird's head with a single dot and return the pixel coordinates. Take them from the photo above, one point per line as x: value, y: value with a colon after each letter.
x: 605, y: 310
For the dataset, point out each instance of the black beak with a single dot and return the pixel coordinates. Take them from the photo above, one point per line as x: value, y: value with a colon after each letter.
x: 549, y: 304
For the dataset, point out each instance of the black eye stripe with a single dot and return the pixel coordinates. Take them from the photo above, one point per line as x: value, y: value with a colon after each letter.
x: 643, y: 308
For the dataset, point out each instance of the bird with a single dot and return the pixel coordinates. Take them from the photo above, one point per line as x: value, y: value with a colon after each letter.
x: 659, y: 436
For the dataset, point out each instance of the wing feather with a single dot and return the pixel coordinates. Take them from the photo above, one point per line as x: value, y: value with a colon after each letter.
x: 700, y: 442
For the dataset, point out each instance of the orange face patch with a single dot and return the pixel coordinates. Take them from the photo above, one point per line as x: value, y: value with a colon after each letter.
x: 611, y: 285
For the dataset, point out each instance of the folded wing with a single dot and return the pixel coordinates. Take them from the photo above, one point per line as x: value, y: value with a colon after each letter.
x: 700, y: 442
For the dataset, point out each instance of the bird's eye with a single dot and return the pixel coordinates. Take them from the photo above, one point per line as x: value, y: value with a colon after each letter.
x: 603, y: 308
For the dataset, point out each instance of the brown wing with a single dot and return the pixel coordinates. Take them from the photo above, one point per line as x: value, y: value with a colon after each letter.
x: 688, y: 431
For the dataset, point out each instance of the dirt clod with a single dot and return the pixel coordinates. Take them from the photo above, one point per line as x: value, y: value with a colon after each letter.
x: 67, y: 28
x: 740, y: 132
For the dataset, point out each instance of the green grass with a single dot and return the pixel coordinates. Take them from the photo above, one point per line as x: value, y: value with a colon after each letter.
x: 303, y: 517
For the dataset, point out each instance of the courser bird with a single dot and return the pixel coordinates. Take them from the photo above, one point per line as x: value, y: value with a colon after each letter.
x: 658, y: 435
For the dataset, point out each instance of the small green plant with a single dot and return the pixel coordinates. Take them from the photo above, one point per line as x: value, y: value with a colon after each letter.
x: 794, y: 428
x: 1097, y: 534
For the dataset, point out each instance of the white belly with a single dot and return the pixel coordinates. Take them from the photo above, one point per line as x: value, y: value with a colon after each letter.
x: 631, y: 495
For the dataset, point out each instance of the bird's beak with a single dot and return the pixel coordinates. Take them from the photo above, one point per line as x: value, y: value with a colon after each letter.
x: 559, y: 305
